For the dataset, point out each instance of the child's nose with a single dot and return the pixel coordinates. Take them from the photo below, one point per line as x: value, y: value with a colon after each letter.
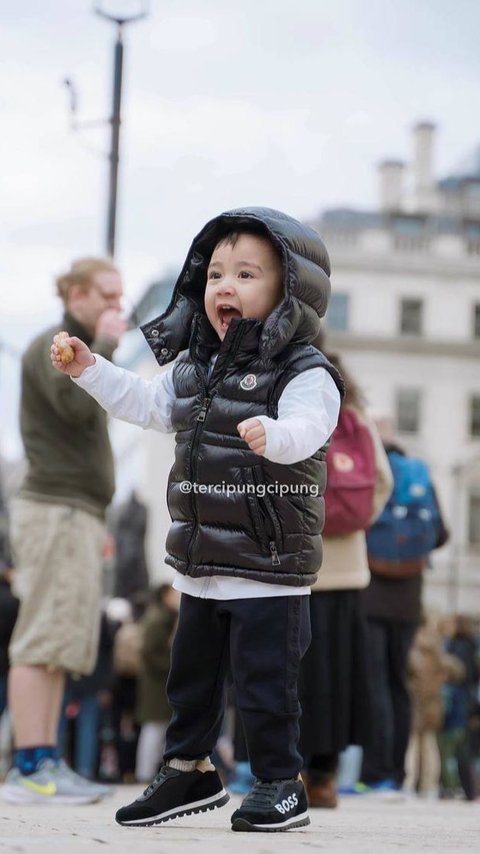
x: 225, y: 286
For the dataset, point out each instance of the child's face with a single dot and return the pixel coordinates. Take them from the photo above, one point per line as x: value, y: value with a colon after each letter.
x: 244, y: 280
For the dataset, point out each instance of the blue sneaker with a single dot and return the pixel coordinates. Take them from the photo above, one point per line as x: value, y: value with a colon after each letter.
x: 242, y: 779
x: 384, y: 786
x: 356, y: 789
x: 385, y: 789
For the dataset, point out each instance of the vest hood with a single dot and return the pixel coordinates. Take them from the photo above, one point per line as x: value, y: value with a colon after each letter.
x: 306, y: 270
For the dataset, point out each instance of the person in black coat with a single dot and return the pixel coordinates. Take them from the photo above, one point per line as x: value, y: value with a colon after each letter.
x: 8, y: 615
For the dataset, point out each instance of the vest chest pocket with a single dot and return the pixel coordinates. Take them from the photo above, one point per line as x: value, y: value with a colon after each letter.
x: 265, y: 520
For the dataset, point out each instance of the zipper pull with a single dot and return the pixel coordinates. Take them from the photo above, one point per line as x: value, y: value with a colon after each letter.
x: 202, y: 414
x: 274, y: 553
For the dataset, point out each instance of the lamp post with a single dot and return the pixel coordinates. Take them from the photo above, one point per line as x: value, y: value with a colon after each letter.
x: 120, y: 20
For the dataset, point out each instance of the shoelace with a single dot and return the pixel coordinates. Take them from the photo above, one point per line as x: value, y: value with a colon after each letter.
x: 264, y: 793
x: 161, y: 776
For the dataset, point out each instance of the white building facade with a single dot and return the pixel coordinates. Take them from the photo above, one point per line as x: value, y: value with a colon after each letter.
x: 405, y: 315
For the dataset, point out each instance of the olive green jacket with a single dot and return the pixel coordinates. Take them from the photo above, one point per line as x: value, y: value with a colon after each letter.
x: 64, y: 430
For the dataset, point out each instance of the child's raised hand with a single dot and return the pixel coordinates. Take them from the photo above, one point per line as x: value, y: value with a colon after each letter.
x: 253, y: 433
x: 70, y: 355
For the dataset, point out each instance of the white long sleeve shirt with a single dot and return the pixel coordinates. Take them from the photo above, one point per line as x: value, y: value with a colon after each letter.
x: 307, y: 416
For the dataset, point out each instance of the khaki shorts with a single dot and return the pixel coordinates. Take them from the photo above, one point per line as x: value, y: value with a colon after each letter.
x: 57, y: 553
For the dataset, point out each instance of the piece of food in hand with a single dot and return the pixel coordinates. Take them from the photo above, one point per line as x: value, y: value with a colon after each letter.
x: 66, y: 352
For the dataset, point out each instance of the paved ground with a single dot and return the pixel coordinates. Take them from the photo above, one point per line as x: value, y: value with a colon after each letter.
x: 359, y: 826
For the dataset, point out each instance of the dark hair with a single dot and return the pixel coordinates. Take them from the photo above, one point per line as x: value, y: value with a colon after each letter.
x: 232, y: 236
x: 353, y: 394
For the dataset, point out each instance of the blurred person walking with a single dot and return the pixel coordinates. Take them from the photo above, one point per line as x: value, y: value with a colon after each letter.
x: 84, y: 703
x: 333, y: 684
x: 126, y: 669
x: 399, y: 546
x: 429, y: 667
x: 459, y: 734
x: 57, y: 531
x: 8, y: 602
x: 153, y: 711
x: 130, y: 527
x: 8, y: 616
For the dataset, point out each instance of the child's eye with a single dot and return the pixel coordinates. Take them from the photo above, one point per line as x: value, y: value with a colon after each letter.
x: 244, y: 274
x: 213, y: 274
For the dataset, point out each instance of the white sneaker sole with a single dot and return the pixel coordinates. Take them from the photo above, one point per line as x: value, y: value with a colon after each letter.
x: 218, y: 800
x: 242, y: 824
x: 19, y: 795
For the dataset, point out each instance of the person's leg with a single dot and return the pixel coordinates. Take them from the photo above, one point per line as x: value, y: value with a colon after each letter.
x: 448, y: 740
x: 465, y: 766
x: 187, y: 781
x: 239, y: 741
x: 3, y: 694
x: 268, y: 639
x: 322, y: 766
x: 58, y: 554
x: 149, y: 750
x: 63, y: 726
x: 196, y: 682
x: 412, y: 762
x: 401, y: 635
x: 35, y: 722
x: 321, y: 780
x: 86, y: 737
x: 378, y: 752
x: 430, y: 764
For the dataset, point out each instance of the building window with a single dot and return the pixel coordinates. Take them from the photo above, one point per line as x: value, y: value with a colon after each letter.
x: 411, y: 311
x: 474, y: 517
x: 408, y: 410
x: 475, y: 415
x: 337, y: 314
x: 476, y: 320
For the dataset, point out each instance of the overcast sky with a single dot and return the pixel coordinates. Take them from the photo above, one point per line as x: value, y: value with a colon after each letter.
x: 259, y: 102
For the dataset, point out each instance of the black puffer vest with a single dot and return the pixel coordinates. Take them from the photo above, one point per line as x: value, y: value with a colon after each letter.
x: 233, y: 512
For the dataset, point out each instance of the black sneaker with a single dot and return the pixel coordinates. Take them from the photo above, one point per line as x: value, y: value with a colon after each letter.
x: 273, y: 806
x: 172, y: 794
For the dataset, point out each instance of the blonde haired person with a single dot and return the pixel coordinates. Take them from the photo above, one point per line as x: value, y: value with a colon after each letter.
x: 57, y: 533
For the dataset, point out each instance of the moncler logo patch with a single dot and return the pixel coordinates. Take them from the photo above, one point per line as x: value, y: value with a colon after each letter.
x: 249, y: 382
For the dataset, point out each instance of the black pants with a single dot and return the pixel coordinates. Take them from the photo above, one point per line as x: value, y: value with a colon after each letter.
x: 389, y: 643
x: 263, y: 641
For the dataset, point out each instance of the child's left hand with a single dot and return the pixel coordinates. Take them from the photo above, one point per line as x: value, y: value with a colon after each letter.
x: 253, y: 433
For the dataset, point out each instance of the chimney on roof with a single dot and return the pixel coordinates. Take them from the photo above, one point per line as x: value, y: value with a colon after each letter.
x: 391, y: 184
x: 423, y: 179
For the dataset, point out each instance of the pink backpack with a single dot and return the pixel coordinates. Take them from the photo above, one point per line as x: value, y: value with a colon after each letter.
x: 351, y: 477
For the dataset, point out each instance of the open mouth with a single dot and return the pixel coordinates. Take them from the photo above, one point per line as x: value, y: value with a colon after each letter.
x: 226, y: 313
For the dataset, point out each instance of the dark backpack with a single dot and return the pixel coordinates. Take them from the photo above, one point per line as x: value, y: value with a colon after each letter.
x: 409, y: 527
x: 351, y: 476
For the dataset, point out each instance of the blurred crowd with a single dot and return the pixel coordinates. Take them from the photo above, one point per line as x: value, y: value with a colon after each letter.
x: 113, y: 721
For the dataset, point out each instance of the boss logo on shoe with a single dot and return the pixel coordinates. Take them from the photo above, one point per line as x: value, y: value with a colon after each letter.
x: 249, y: 382
x: 287, y: 804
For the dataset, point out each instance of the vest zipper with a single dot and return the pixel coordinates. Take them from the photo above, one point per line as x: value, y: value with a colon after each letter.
x: 274, y: 553
x: 203, y: 412
x: 196, y: 436
x: 268, y: 515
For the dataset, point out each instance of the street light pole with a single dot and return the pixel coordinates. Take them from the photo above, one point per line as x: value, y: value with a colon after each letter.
x: 115, y: 143
x: 115, y: 120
